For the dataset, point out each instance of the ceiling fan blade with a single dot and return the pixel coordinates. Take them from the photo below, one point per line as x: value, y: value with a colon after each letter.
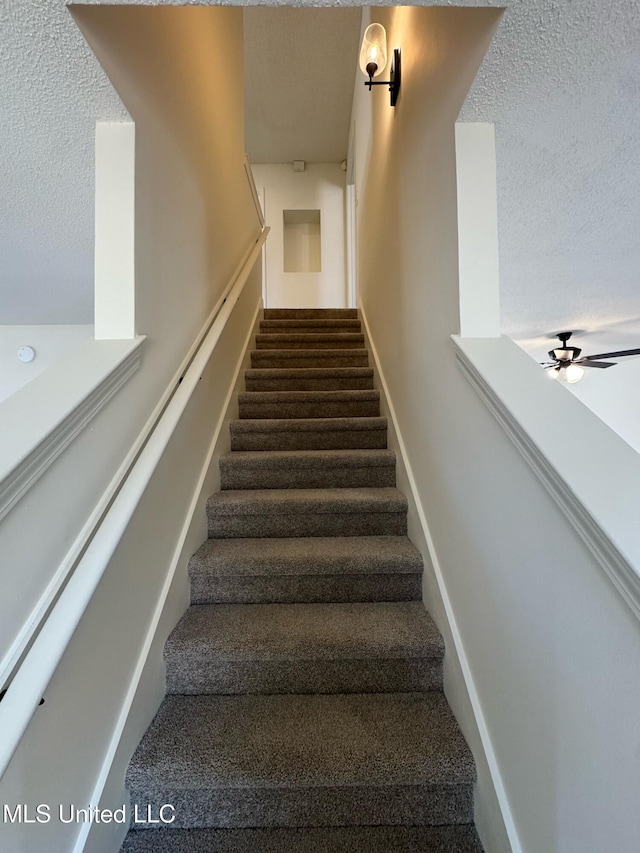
x: 602, y: 364
x: 618, y: 354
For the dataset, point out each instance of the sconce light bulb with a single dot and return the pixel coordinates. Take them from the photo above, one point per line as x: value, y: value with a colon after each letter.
x: 373, y: 52
x: 574, y: 373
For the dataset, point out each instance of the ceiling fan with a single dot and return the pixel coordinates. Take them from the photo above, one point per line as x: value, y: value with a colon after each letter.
x: 567, y: 365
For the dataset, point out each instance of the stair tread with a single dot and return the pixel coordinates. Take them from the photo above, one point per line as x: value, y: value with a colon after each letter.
x: 289, y: 459
x: 304, y: 337
x: 307, y: 396
x: 310, y: 313
x: 309, y: 372
x: 283, y: 325
x: 236, y: 502
x: 274, y: 632
x: 308, y: 556
x: 343, y: 839
x: 285, y: 352
x: 304, y: 357
x: 302, y: 741
x: 307, y: 424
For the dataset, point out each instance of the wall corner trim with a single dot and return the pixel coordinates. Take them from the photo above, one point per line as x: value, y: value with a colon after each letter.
x: 618, y: 569
x: 474, y: 699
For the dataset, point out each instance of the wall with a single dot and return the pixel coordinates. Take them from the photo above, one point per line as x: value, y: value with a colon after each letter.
x: 320, y: 186
x: 551, y: 649
x: 610, y: 394
x: 194, y: 222
x: 51, y: 343
x: 106, y: 690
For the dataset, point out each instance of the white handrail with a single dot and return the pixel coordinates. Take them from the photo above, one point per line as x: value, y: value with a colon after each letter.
x: 16, y: 651
x: 254, y: 190
x: 34, y: 674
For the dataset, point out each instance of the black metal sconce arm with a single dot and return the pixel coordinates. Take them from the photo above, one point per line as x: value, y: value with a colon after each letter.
x: 394, y: 77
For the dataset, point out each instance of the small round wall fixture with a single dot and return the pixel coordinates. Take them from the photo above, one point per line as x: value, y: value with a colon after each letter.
x: 26, y: 354
x: 373, y: 60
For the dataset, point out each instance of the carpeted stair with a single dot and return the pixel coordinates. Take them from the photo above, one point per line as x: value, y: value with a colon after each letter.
x: 304, y: 709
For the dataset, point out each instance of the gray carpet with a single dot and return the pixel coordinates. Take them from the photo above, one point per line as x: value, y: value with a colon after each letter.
x: 307, y: 469
x: 310, y: 340
x: 363, y: 839
x: 309, y: 404
x: 339, y: 569
x: 305, y: 760
x: 305, y: 648
x: 309, y: 434
x: 280, y: 513
x: 299, y: 357
x: 305, y: 711
x: 297, y: 326
x: 310, y: 379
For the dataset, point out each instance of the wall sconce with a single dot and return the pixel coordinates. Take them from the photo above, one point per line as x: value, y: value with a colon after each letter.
x: 373, y: 59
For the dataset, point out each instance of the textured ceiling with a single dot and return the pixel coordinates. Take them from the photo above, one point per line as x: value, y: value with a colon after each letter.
x: 300, y: 68
x: 561, y: 82
x: 52, y: 92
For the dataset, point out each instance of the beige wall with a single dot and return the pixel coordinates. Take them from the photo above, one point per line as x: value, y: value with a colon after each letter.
x: 179, y: 71
x: 194, y: 221
x: 408, y: 271
x: 550, y: 648
x: 319, y: 187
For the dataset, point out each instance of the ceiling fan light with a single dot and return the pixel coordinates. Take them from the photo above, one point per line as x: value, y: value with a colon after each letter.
x: 562, y: 354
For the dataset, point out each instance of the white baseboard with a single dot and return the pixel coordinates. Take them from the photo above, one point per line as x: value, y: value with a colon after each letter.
x: 94, y: 838
x: 494, y: 820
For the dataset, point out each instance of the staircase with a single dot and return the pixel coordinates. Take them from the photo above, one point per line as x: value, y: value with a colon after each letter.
x: 304, y: 709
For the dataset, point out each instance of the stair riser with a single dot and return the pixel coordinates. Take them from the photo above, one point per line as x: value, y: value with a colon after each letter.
x: 327, y: 341
x: 331, y: 409
x: 297, y: 524
x: 424, y: 805
x: 366, y: 439
x: 305, y: 359
x: 371, y: 839
x: 235, y: 477
x: 289, y: 589
x: 310, y: 327
x: 198, y: 674
x: 310, y: 313
x: 309, y: 384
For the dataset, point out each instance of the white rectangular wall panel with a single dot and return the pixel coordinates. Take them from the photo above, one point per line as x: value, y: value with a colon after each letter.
x: 115, y: 227
x: 477, y: 230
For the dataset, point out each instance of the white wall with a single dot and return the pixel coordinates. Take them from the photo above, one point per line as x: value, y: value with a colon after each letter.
x: 195, y: 220
x: 104, y: 670
x: 611, y: 394
x: 551, y: 648
x: 51, y: 344
x: 319, y: 187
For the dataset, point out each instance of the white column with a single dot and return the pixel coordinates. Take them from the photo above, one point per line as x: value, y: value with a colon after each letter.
x: 115, y: 221
x: 477, y: 230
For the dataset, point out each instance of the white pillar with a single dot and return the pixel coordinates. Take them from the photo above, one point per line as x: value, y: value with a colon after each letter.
x: 477, y: 230
x: 115, y: 220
